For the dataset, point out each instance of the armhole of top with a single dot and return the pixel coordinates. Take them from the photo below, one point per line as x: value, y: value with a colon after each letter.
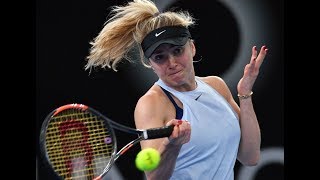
x: 179, y: 111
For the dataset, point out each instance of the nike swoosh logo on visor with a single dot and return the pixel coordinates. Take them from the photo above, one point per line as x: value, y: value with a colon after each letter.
x: 157, y: 34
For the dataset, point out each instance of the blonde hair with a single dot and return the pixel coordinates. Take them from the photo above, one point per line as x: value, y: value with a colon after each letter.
x: 126, y: 29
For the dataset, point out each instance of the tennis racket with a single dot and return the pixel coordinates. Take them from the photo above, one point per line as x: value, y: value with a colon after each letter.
x: 78, y: 142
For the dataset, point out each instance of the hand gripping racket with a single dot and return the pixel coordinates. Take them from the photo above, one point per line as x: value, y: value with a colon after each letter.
x: 78, y: 142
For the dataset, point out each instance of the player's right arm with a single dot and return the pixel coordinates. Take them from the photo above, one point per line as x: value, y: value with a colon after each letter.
x: 154, y: 109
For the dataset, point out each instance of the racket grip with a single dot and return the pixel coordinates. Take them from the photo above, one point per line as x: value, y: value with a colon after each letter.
x: 161, y: 132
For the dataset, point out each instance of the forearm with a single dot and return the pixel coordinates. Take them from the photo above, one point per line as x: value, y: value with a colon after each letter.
x: 169, y: 154
x: 249, y: 149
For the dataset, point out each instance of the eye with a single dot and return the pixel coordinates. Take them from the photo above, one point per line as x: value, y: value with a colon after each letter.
x: 159, y: 58
x: 178, y: 50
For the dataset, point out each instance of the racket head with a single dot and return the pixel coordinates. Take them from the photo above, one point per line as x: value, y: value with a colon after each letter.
x: 77, y: 141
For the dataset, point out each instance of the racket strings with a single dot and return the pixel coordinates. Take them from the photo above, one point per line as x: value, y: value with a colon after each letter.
x: 78, y: 144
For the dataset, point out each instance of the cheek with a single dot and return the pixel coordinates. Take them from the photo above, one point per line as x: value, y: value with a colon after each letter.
x: 159, y: 70
x: 187, y: 61
x: 187, y: 58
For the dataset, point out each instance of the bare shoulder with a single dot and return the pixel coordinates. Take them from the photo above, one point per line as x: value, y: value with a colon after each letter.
x: 150, y: 110
x: 214, y: 80
x: 151, y: 99
x: 218, y: 84
x: 221, y: 87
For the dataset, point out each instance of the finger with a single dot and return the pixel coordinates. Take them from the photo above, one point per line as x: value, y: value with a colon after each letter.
x: 262, y: 54
x: 185, y: 131
x: 188, y: 136
x: 253, y: 54
x: 174, y: 122
x: 175, y: 132
x: 250, y: 66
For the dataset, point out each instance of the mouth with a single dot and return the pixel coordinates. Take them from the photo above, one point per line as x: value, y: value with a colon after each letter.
x: 174, y: 73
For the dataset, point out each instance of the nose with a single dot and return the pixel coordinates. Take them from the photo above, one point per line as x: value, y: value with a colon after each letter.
x: 172, y: 61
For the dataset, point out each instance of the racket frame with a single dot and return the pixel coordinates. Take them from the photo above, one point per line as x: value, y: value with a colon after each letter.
x: 143, y: 134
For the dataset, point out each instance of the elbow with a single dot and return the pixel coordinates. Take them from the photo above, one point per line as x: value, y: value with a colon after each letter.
x: 252, y: 160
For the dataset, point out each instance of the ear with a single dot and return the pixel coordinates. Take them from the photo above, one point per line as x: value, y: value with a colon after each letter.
x: 193, y: 49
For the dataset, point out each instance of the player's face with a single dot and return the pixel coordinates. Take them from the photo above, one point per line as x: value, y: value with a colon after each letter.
x: 173, y: 64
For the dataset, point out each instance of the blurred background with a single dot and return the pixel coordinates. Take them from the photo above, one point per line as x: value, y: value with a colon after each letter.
x: 225, y: 32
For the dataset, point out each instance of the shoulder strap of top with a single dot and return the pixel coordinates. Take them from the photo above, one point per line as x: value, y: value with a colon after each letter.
x: 179, y: 111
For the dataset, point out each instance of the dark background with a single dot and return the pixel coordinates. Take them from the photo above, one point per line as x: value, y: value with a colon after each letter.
x: 224, y: 35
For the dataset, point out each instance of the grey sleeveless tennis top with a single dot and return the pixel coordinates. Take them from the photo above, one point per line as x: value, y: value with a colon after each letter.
x: 215, y: 135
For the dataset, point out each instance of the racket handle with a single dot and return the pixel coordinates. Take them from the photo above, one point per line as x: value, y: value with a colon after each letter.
x: 161, y: 132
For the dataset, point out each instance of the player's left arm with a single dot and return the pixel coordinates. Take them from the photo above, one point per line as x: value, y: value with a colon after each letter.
x: 249, y: 148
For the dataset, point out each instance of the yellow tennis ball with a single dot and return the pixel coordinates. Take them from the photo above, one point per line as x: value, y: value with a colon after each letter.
x: 147, y: 159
